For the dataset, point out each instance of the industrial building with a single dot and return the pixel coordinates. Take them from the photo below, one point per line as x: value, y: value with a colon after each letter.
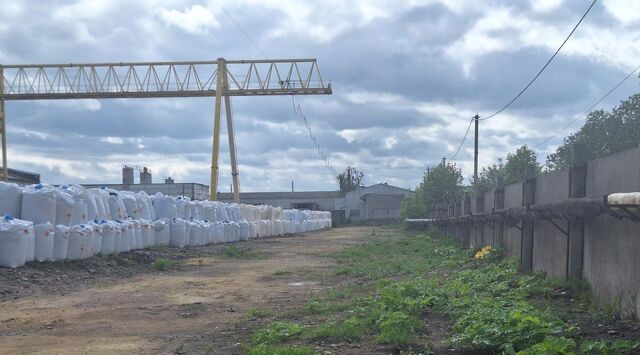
x: 192, y: 190
x: 22, y: 177
x: 375, y: 203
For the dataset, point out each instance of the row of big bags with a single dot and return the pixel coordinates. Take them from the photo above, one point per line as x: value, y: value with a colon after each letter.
x: 55, y: 223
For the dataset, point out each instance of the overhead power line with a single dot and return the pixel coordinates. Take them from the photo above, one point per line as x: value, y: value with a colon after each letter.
x: 297, y: 109
x: 543, y: 67
x: 463, y: 140
x: 588, y: 110
x: 243, y: 32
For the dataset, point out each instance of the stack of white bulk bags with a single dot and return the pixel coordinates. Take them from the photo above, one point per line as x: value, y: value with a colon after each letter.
x: 38, y: 204
x: 148, y: 234
x: 178, y: 233
x: 60, y: 243
x: 44, y: 239
x: 30, y: 247
x: 10, y: 200
x: 13, y: 236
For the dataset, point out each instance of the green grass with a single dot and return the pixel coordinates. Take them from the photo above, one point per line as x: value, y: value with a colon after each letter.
x: 277, y: 332
x: 159, y: 248
x: 255, y: 313
x: 162, y: 264
x: 234, y: 252
x: 280, y: 350
x: 281, y: 272
x: 402, y: 279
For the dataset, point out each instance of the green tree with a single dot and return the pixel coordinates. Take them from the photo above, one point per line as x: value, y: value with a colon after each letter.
x: 442, y: 183
x: 604, y: 133
x: 488, y: 176
x: 516, y: 163
x: 350, y: 179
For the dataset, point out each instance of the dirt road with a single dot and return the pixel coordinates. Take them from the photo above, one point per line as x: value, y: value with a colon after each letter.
x: 196, y: 307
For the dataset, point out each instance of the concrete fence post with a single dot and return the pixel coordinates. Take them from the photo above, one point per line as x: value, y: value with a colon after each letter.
x: 528, y: 199
x: 479, y: 226
x: 466, y: 227
x: 577, y: 188
x: 498, y: 204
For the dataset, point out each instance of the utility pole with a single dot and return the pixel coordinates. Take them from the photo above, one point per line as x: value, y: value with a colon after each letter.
x: 476, y: 118
x: 291, y: 185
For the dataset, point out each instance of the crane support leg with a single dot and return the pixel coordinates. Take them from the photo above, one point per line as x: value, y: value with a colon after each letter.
x: 213, y: 189
x: 3, y: 127
x: 232, y: 149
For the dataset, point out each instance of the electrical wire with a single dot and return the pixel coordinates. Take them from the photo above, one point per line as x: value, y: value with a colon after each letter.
x: 463, y: 140
x: 583, y: 115
x: 243, y: 32
x: 543, y: 68
x: 297, y: 110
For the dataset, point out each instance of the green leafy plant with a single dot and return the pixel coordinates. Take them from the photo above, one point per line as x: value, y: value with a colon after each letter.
x: 280, y: 350
x: 162, y: 264
x: 277, y: 332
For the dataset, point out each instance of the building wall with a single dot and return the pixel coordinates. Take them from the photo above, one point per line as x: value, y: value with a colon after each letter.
x: 356, y: 208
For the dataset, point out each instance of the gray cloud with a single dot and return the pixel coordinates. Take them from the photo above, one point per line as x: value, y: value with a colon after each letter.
x: 406, y: 79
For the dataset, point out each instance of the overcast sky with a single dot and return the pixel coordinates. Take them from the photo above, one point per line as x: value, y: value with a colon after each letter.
x: 406, y: 76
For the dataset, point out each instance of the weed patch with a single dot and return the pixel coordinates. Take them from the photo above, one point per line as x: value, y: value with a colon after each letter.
x: 255, y: 313
x: 162, y: 264
x: 277, y: 332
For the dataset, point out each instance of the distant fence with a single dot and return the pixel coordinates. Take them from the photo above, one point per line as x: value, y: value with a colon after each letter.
x: 563, y: 223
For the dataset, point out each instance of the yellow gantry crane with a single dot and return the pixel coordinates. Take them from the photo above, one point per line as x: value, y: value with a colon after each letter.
x: 220, y: 79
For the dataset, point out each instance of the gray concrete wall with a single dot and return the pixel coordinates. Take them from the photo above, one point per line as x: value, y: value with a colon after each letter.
x: 550, y: 244
x: 512, y: 236
x: 612, y: 247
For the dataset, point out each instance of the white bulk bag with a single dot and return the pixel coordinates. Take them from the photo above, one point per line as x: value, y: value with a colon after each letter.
x: 64, y: 207
x: 109, y: 237
x: 209, y: 212
x: 180, y: 212
x: 228, y: 232
x: 162, y: 232
x: 38, y: 204
x: 98, y: 230
x: 164, y: 206
x: 128, y: 235
x: 192, y: 230
x: 13, y: 236
x: 130, y: 204
x: 137, y: 240
x: 44, y: 234
x: 77, y: 238
x: 178, y: 230
x: 244, y: 230
x: 89, y: 242
x: 30, y: 247
x: 10, y: 199
x: 221, y: 212
x: 92, y: 206
x: 147, y: 229
x: 218, y: 232
x: 144, y: 206
x: 116, y: 207
x: 60, y: 243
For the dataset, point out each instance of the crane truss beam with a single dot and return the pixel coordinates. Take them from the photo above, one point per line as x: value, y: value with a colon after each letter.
x: 161, y: 79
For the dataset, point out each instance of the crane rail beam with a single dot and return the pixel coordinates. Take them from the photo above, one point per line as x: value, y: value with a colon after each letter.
x: 161, y: 79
